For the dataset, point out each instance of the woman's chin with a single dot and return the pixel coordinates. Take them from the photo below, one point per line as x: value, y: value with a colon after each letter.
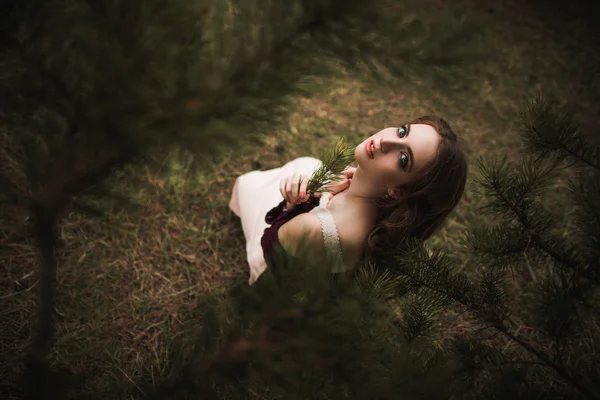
x: 359, y: 153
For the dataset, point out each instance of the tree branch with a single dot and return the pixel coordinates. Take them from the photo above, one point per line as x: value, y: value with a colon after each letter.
x: 539, y: 242
x: 45, y: 232
x: 560, y: 370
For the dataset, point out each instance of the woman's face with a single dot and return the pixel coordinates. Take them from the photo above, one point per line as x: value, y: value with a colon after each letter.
x: 397, y: 156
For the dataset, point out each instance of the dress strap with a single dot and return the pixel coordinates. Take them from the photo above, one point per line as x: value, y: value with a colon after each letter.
x: 330, y: 237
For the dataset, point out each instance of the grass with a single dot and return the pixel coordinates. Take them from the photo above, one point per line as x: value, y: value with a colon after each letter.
x: 129, y: 282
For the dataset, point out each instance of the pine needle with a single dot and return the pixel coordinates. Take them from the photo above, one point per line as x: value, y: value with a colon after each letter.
x: 334, y: 163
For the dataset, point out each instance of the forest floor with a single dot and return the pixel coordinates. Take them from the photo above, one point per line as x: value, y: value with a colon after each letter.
x: 129, y: 283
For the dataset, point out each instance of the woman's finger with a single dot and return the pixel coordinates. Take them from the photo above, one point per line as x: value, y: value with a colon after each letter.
x: 349, y: 172
x: 342, y: 186
x: 282, y: 190
x: 290, y: 188
x: 295, y: 187
x: 303, y: 185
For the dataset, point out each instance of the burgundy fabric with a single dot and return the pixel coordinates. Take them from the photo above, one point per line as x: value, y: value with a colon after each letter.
x: 276, y: 218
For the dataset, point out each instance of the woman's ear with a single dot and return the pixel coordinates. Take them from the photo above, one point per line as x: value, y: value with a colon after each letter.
x: 394, y: 193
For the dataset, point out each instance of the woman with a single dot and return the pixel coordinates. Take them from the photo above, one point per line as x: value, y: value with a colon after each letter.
x: 407, y: 181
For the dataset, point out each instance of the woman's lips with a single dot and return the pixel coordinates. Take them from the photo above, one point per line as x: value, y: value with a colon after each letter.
x: 370, y: 147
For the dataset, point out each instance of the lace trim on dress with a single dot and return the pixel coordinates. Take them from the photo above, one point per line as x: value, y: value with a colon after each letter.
x: 331, y: 237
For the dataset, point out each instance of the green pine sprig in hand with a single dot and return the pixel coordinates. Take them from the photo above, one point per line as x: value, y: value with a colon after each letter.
x: 297, y: 189
x: 335, y: 162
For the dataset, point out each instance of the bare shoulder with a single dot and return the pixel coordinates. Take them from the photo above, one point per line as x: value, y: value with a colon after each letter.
x: 354, y: 234
x: 302, y: 229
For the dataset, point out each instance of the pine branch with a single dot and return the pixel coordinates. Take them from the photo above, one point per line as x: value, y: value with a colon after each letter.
x: 418, y: 319
x: 375, y: 284
x: 236, y: 352
x: 507, y: 241
x: 285, y: 332
x: 334, y: 162
x: 585, y: 193
x: 490, y: 297
x: 557, y: 308
x: 547, y: 129
x: 513, y: 190
x: 560, y: 370
x: 513, y: 199
x: 433, y: 272
x: 421, y: 275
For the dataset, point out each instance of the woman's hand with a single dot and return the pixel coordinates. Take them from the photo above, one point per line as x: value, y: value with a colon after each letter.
x: 342, y: 185
x: 293, y: 189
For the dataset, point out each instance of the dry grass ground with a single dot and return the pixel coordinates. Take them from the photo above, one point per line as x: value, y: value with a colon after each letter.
x: 129, y: 282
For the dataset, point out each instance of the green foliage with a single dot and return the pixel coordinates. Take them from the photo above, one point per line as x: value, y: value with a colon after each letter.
x: 376, y: 283
x: 100, y: 85
x: 418, y: 320
x: 335, y: 160
x: 284, y: 340
x: 586, y: 216
x: 525, y: 276
x: 431, y: 271
x: 549, y: 131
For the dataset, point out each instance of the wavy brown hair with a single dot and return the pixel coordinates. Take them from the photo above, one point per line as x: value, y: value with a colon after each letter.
x: 424, y: 204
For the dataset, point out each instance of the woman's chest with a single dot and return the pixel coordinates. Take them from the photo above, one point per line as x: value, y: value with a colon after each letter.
x: 353, y: 231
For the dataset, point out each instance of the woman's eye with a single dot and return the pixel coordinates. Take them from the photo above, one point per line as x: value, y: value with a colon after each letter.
x: 403, y: 160
x: 402, y: 132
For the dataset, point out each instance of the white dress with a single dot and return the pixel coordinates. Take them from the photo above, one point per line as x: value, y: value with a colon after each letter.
x: 257, y: 192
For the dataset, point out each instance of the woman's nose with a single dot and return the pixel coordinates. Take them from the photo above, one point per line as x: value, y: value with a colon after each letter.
x: 389, y: 144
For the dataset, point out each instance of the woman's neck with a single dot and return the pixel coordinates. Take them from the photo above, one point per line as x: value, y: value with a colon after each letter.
x: 362, y: 188
x: 360, y: 194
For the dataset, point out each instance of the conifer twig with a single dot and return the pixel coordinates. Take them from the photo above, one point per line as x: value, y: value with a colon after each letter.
x: 334, y: 163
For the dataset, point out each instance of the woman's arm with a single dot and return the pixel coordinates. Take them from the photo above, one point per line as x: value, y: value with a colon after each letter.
x: 302, y: 233
x: 302, y: 237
